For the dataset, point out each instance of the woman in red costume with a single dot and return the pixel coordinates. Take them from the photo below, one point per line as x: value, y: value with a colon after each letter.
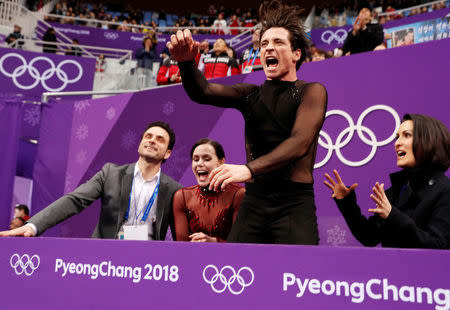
x: 202, y: 215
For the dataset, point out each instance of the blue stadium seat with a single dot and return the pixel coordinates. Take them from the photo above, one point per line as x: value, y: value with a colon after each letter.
x: 147, y: 17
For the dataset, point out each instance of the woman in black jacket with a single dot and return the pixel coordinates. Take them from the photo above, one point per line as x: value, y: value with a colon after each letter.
x: 415, y: 211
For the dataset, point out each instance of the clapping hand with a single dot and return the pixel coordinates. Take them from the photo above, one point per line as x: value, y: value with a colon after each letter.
x: 338, y: 187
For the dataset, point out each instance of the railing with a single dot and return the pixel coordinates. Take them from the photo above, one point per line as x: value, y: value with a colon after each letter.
x: 138, y: 28
x: 77, y: 49
x: 8, y: 11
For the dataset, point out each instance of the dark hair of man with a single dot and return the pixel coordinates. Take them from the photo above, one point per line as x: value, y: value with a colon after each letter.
x: 275, y: 13
x: 23, y: 208
x: 431, y: 141
x: 167, y: 128
x: 216, y: 145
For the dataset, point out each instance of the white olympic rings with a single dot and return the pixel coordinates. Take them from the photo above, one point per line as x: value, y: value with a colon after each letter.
x: 24, y: 264
x: 339, y: 35
x: 111, y: 35
x: 227, y: 283
x: 35, y: 74
x: 348, y: 134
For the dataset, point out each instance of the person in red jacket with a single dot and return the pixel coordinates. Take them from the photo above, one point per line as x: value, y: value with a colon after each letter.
x: 168, y: 72
x: 219, y: 64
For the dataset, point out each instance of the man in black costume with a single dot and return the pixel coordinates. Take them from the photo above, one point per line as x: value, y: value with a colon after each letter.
x: 283, y: 118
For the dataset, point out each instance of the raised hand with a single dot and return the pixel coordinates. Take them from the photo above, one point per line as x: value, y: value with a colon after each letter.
x: 338, y: 187
x: 182, y: 46
x: 356, y: 25
x: 24, y: 231
x: 384, y: 207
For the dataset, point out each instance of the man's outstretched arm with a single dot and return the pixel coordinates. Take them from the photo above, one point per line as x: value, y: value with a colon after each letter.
x: 183, y: 49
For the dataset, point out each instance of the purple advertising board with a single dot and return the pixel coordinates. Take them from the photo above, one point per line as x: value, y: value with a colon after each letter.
x: 31, y: 73
x: 52, y: 273
x: 357, y: 138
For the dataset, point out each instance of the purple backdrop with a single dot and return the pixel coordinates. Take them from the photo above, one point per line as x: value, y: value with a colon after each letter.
x: 112, y: 274
x: 10, y: 116
x: 31, y: 74
x: 109, y: 129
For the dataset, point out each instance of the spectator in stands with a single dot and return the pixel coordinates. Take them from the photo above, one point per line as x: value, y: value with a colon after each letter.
x: 74, y: 50
x: 49, y: 36
x: 15, y: 37
x: 318, y: 55
x: 100, y: 64
x: 126, y: 194
x: 415, y: 211
x: 249, y: 20
x: 364, y: 35
x: 202, y: 53
x: 220, y: 25
x: 251, y: 57
x: 16, y: 223
x: 203, y: 215
x: 234, y: 22
x: 145, y: 57
x: 168, y: 73
x: 22, y: 212
x: 219, y: 64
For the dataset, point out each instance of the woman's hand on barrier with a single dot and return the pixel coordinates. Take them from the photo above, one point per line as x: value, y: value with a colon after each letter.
x: 182, y: 46
x: 202, y: 237
x: 338, y: 187
x: 24, y: 231
x: 384, y: 207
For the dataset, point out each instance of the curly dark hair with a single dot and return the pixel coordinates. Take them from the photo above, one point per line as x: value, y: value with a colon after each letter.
x: 275, y: 13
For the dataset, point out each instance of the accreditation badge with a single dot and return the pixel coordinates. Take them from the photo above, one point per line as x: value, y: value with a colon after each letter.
x: 135, y: 232
x: 247, y: 69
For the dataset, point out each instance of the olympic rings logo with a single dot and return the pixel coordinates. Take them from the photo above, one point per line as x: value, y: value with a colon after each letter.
x: 111, y: 35
x: 219, y: 282
x: 35, y: 74
x: 339, y: 35
x: 24, y: 264
x: 349, y: 132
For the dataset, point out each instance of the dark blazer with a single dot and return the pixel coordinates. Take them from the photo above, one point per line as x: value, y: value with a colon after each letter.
x: 420, y: 216
x: 112, y: 185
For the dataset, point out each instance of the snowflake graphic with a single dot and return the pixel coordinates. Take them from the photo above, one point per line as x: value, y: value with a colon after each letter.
x: 110, y: 113
x: 178, y: 161
x: 81, y: 105
x: 82, y: 132
x: 81, y: 157
x: 336, y: 236
x: 32, y: 115
x: 168, y: 108
x: 129, y: 140
x: 68, y: 186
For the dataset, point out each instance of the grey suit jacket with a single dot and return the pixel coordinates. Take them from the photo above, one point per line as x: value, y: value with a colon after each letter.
x: 112, y: 185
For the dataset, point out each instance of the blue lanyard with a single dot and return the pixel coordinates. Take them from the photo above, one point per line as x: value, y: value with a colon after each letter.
x: 254, y: 57
x: 149, y: 205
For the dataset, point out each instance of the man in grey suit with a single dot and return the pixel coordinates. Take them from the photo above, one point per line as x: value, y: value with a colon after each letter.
x: 136, y: 198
